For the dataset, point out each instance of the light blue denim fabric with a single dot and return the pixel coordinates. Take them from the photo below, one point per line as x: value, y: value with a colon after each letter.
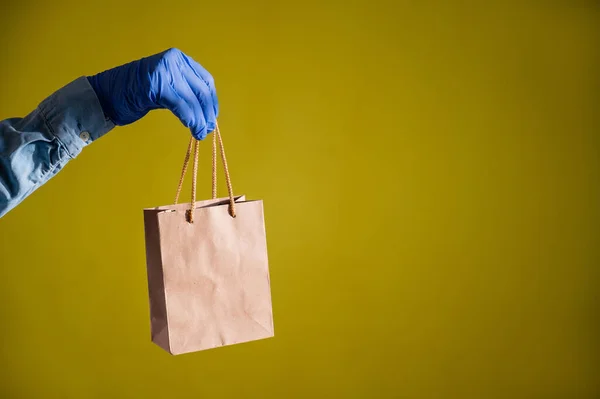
x: 35, y: 148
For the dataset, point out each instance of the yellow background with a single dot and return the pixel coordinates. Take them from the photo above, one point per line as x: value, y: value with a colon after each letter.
x: 430, y: 172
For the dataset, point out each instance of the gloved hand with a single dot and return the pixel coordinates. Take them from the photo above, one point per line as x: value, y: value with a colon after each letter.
x: 170, y: 80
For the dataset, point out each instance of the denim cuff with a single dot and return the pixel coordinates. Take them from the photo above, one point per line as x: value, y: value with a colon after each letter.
x: 74, y: 115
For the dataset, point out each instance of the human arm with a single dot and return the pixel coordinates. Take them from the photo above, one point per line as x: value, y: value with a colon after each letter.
x: 35, y: 148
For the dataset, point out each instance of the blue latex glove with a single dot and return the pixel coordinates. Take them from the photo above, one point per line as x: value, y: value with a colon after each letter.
x: 170, y: 80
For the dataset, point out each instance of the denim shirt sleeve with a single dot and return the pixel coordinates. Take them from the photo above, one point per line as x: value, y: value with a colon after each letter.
x: 35, y: 148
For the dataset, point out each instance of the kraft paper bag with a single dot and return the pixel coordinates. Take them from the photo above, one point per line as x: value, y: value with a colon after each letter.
x: 208, y: 273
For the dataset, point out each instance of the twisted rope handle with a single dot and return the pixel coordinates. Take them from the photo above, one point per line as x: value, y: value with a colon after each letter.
x: 214, y: 166
x: 195, y: 145
x: 184, y: 168
x: 226, y: 170
x: 190, y: 212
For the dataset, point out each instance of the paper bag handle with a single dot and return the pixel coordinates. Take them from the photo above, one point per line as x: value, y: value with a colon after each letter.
x: 195, y: 144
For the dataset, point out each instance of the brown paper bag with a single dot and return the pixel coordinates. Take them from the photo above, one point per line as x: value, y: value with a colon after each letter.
x: 208, y: 275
